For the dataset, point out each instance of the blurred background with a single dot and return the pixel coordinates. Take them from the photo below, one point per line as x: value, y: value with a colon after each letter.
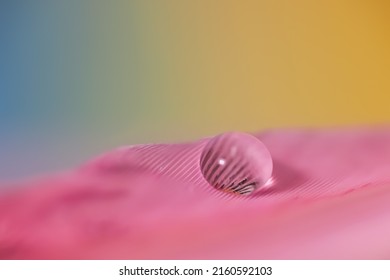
x: 78, y: 78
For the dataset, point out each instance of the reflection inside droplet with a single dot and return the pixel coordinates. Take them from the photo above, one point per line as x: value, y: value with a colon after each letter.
x: 236, y: 163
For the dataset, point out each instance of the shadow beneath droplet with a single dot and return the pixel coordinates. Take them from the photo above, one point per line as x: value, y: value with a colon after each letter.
x: 285, y: 178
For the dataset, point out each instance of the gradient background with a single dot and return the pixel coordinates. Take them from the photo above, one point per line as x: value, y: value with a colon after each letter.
x: 81, y: 77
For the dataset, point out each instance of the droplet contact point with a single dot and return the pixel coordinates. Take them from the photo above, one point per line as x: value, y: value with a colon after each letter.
x: 236, y: 163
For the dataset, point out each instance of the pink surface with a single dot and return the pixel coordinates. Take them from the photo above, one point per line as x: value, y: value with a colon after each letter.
x: 329, y: 198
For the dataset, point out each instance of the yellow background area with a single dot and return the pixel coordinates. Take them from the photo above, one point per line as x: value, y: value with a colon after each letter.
x: 248, y: 65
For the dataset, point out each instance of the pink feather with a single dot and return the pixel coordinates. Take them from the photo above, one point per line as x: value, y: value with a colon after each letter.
x: 329, y: 199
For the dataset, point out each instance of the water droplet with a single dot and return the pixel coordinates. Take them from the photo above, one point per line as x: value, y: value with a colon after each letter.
x: 236, y: 163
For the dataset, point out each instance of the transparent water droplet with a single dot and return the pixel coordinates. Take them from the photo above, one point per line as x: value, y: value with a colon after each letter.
x: 236, y: 163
